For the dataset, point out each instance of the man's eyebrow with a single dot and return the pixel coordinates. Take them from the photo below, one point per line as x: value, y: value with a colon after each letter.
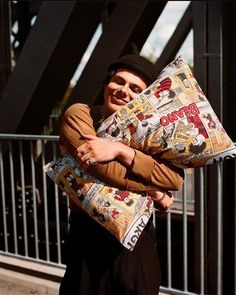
x: 123, y: 79
x: 136, y: 85
x: 118, y: 76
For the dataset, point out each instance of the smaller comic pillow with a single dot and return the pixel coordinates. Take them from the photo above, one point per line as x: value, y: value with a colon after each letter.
x: 123, y: 213
x: 172, y: 119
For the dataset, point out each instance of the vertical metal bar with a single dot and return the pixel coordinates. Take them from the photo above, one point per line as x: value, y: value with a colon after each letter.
x: 57, y: 212
x: 202, y: 233
x: 234, y: 229
x: 68, y: 208
x: 185, y: 246
x: 154, y: 218
x: 215, y: 93
x: 34, y: 201
x: 5, y: 44
x: 219, y: 228
x: 169, y: 256
x: 22, y: 184
x: 3, y: 200
x: 45, y: 207
x: 13, y: 196
x: 208, y: 70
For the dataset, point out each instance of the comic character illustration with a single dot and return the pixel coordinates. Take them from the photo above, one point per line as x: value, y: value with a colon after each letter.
x: 123, y: 115
x: 142, y: 117
x: 101, y: 218
x: 131, y: 127
x: 163, y: 140
x: 182, y: 131
x: 148, y: 205
x: 147, y: 124
x: 198, y: 144
x: 110, y: 190
x: 184, y: 79
x: 113, y: 213
x: 77, y: 187
x: 164, y: 85
x: 123, y: 196
x: 106, y: 204
x: 130, y: 106
x: 201, y: 95
x: 181, y: 134
x: 180, y: 147
x: 103, y: 202
x: 112, y: 129
x: 211, y: 123
x: 148, y: 91
x: 197, y: 123
x: 177, y: 63
x: 166, y: 95
x: 130, y: 124
x: 163, y: 94
x: 149, y: 131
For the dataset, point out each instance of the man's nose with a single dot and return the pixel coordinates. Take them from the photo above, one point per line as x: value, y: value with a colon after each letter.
x: 124, y: 90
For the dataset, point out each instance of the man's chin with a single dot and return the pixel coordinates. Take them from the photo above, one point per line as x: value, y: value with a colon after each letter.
x: 112, y: 109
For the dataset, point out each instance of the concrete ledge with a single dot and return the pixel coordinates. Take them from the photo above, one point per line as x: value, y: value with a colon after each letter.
x: 33, y: 268
x: 22, y: 277
x: 15, y: 283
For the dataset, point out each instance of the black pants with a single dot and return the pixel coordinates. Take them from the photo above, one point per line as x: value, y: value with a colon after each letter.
x: 98, y: 264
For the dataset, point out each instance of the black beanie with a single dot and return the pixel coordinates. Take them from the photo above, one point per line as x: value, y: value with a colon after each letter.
x: 138, y: 64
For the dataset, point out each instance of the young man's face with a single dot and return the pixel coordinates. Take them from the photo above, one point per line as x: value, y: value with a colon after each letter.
x: 123, y: 87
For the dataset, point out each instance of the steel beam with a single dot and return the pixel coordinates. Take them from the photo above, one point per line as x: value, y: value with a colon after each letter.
x: 229, y: 189
x: 200, y: 72
x: 130, y: 22
x: 5, y: 44
x: 48, y: 60
x: 208, y: 61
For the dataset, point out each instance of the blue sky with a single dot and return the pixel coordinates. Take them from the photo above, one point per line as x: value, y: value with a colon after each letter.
x: 157, y: 39
x: 164, y: 28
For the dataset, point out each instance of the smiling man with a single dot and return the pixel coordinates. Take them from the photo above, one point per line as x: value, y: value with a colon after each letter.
x: 97, y: 264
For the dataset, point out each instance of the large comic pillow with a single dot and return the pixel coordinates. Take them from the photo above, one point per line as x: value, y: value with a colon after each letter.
x: 123, y: 213
x: 172, y: 119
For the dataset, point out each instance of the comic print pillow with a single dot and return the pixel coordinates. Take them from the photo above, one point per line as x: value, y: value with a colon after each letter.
x: 172, y: 119
x: 123, y: 213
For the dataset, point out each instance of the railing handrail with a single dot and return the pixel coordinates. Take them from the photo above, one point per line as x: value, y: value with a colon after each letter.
x: 28, y: 136
x: 34, y: 136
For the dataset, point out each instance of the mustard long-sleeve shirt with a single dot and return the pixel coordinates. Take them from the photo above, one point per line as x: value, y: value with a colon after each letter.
x: 145, y: 172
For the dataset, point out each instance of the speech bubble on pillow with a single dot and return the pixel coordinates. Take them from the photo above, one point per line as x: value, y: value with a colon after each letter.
x: 172, y: 119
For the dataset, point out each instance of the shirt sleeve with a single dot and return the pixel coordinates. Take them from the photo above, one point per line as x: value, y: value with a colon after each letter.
x: 145, y: 171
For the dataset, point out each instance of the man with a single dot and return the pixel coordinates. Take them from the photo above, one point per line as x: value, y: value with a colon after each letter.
x: 96, y: 262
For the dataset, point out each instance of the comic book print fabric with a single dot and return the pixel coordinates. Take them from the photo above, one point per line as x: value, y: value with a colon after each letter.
x: 172, y: 119
x: 123, y: 213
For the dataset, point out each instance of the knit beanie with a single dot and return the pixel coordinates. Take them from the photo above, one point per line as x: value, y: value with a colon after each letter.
x: 137, y: 64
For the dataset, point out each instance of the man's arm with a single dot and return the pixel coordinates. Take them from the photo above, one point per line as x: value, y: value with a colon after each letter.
x: 144, y: 173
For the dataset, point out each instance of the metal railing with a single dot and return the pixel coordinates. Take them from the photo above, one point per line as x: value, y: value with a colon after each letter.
x: 34, y: 214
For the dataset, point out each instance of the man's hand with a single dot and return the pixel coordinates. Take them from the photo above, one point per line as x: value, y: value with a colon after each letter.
x: 163, y: 200
x: 97, y: 150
